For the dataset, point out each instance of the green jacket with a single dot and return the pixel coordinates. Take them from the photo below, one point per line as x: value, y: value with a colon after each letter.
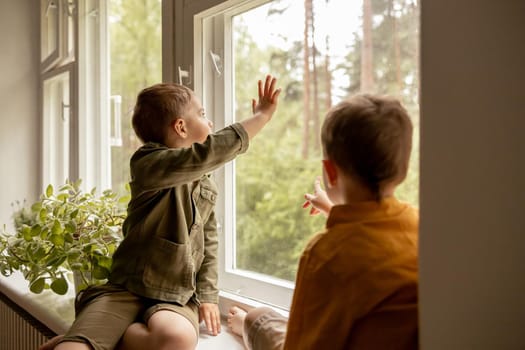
x: 169, y: 251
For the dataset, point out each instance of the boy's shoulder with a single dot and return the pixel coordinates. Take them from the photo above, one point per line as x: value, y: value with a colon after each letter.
x: 368, y: 238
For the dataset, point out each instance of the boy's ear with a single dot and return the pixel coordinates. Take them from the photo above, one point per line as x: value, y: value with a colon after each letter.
x: 331, y: 171
x: 179, y: 126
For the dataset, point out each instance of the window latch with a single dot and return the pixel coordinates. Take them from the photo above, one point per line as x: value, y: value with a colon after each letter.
x: 184, y: 74
x: 116, y: 132
x: 217, y: 62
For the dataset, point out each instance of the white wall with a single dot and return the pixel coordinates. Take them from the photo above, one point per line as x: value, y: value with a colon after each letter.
x: 472, y: 289
x: 19, y: 122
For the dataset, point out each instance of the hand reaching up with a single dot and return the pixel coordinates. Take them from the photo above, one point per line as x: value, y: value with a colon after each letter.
x: 264, y: 108
x: 319, y: 201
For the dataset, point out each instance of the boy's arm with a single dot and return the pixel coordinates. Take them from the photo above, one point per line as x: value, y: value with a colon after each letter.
x: 155, y: 167
x: 319, y: 200
x: 207, y: 290
x: 264, y: 108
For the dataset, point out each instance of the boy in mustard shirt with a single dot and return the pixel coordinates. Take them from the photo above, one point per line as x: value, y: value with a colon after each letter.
x: 357, y: 281
x: 163, y: 280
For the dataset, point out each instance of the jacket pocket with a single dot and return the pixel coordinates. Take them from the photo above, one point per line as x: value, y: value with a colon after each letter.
x: 169, y: 266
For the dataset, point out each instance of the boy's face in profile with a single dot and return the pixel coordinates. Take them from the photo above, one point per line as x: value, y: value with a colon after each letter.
x: 197, y: 125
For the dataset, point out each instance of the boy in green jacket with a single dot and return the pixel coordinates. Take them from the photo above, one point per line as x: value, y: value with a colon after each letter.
x: 164, y: 272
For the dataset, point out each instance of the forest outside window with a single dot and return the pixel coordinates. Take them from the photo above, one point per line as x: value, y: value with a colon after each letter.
x: 321, y: 52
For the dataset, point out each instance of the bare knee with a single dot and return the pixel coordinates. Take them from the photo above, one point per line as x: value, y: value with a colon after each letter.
x: 172, y: 331
x: 72, y: 346
x: 175, y: 339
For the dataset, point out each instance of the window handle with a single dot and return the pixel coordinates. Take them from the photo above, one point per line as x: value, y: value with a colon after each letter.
x: 65, y: 115
x: 51, y: 4
x: 116, y: 130
x: 184, y: 74
x: 217, y: 62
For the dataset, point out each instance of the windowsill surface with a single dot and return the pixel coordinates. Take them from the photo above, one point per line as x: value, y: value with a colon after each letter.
x: 57, y: 312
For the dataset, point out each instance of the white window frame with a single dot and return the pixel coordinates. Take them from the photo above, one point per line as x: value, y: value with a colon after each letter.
x: 81, y: 51
x: 51, y: 28
x: 56, y: 64
x: 211, y: 28
x: 58, y: 125
x: 94, y: 154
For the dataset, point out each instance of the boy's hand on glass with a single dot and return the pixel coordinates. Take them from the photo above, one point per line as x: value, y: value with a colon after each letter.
x: 319, y: 201
x: 209, y: 312
x: 268, y: 97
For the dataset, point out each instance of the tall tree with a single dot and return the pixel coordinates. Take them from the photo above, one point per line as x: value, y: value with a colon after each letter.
x: 308, y: 14
x: 315, y: 112
x: 395, y: 42
x: 367, y: 72
x: 327, y: 75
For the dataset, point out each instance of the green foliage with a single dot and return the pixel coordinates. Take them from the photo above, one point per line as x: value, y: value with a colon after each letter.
x: 272, y: 228
x: 66, y: 230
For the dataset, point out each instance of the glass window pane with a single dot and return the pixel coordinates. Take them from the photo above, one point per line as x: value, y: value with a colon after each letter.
x: 49, y: 34
x: 135, y: 62
x: 322, y: 52
x: 71, y: 10
x: 56, y: 124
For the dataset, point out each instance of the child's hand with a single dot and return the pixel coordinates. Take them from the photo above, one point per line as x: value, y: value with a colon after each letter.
x: 264, y: 108
x: 212, y: 318
x: 318, y: 200
x: 268, y: 97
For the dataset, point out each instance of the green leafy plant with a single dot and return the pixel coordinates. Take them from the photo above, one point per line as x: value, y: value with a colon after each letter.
x: 65, y: 231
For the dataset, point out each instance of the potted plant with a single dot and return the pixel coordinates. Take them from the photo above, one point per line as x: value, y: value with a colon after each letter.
x: 65, y: 231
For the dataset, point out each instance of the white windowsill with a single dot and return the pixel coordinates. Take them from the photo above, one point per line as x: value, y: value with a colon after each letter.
x: 57, y: 313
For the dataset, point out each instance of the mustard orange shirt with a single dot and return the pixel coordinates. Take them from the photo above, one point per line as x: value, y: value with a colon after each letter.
x: 357, y: 281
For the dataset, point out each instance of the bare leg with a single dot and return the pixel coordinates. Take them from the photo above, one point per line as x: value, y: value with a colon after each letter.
x: 70, y: 345
x: 241, y: 322
x: 51, y: 343
x: 166, y: 330
x: 236, y: 318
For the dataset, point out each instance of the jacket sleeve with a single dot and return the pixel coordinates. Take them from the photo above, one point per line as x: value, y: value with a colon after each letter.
x: 207, y: 277
x: 159, y: 167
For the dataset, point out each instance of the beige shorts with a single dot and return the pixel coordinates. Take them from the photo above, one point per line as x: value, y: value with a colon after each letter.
x: 267, y: 332
x: 103, y: 314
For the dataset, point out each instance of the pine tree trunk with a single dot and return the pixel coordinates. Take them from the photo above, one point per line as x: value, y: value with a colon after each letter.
x: 395, y: 43
x: 367, y: 73
x: 306, y: 78
x: 315, y: 113
x: 328, y: 75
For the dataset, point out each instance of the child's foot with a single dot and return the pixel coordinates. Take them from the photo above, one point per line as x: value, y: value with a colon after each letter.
x: 236, y: 318
x: 51, y: 343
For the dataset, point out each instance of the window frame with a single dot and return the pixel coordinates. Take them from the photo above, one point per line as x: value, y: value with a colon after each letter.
x: 82, y: 52
x: 53, y: 55
x: 211, y: 28
x: 58, y: 62
x: 50, y: 141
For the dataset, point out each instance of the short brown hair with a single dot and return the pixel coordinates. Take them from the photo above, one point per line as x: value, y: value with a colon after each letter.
x: 157, y: 106
x: 369, y: 137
